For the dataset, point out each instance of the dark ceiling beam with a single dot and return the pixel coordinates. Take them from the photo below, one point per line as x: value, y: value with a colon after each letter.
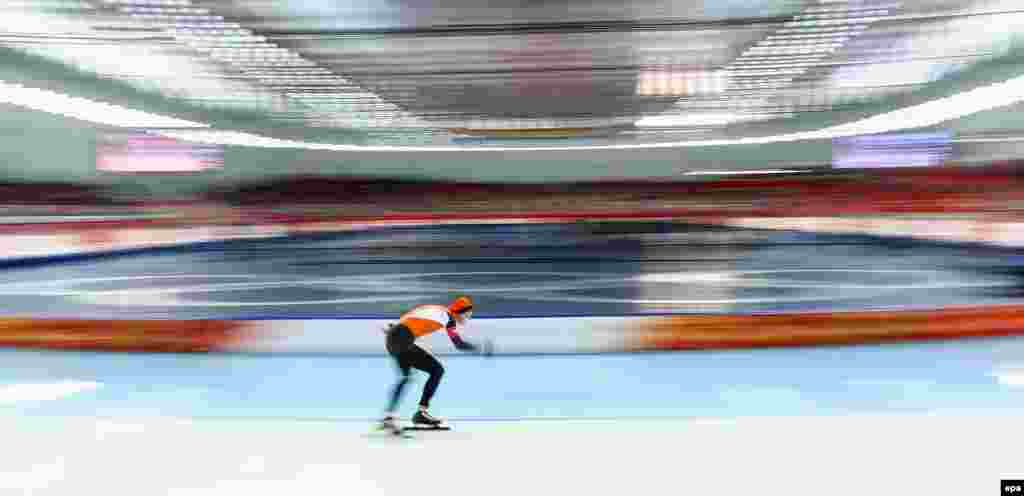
x: 532, y: 28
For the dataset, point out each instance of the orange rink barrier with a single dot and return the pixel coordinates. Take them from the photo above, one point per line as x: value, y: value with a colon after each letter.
x: 556, y: 335
x: 813, y: 329
x: 121, y: 335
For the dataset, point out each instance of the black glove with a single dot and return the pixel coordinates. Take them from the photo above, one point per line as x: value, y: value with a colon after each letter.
x: 463, y: 345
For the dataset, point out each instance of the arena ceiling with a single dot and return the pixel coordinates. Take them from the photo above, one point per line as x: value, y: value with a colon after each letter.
x: 528, y: 73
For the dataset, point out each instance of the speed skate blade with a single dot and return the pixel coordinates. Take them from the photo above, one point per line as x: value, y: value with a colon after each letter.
x: 427, y: 428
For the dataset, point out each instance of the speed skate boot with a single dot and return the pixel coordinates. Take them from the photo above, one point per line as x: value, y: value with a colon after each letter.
x: 389, y: 425
x: 424, y: 419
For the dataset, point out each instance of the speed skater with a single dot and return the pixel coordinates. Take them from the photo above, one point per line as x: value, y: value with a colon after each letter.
x: 401, y: 345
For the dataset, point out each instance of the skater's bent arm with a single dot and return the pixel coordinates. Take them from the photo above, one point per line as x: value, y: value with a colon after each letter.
x: 460, y: 344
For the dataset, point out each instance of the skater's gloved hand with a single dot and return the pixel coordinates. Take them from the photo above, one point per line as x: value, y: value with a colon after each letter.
x: 460, y: 344
x: 463, y: 345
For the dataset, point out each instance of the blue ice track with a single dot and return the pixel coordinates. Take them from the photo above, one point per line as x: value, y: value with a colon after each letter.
x: 517, y: 271
x: 930, y: 377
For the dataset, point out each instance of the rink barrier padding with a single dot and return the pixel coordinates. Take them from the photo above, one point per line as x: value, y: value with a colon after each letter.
x: 122, y: 335
x: 688, y: 332
x: 512, y: 336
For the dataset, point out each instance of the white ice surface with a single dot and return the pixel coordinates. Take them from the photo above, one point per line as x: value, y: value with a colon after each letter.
x: 947, y: 454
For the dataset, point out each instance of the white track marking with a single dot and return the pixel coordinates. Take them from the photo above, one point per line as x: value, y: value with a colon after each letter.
x: 43, y: 391
x: 174, y: 301
x: 1009, y: 377
x: 405, y: 287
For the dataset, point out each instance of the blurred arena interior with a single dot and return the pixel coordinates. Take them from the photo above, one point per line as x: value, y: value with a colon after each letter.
x: 718, y: 247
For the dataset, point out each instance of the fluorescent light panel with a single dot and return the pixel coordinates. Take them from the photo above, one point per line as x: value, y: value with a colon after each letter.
x: 87, y: 110
x: 716, y: 119
x: 923, y: 115
x: 743, y: 172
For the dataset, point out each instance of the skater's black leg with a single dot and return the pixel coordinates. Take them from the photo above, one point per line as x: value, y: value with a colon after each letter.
x: 399, y: 341
x: 431, y: 387
x: 396, y: 392
x: 426, y: 362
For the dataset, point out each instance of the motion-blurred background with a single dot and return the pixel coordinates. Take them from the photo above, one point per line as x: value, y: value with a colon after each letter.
x: 283, y: 178
x: 708, y: 142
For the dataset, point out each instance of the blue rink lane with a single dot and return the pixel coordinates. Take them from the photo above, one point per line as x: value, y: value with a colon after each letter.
x: 978, y: 376
x: 517, y: 271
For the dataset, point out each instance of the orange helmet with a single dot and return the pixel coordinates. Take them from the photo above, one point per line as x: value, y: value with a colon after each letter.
x: 461, y: 304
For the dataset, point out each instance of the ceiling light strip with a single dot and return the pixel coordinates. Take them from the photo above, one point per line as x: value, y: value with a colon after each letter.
x: 87, y: 110
x: 916, y: 116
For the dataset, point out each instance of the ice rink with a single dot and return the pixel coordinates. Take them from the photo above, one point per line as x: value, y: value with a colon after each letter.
x: 926, y: 418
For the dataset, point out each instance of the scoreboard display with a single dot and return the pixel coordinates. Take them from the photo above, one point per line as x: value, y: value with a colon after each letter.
x: 921, y: 149
x: 146, y: 153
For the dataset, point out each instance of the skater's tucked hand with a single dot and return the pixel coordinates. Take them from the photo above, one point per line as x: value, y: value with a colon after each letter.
x: 463, y: 345
x: 460, y: 344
